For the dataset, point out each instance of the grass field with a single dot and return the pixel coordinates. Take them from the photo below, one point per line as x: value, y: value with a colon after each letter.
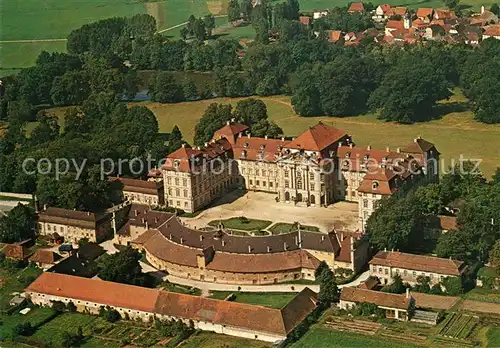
x: 319, y: 337
x: 267, y: 299
x: 493, y: 337
x: 13, y: 282
x: 211, y: 340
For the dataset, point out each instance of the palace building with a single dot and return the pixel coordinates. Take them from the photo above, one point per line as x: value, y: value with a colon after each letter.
x: 317, y: 168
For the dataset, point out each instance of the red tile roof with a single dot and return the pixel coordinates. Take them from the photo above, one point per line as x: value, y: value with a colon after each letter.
x: 15, y: 251
x: 356, y: 7
x: 241, y: 315
x: 317, y: 138
x: 492, y: 30
x: 139, y: 186
x: 99, y: 291
x: 419, y: 146
x: 442, y: 13
x: 230, y: 131
x: 434, y: 301
x: 45, y: 256
x: 394, y: 24
x: 379, y: 298
x: 385, y: 8
x: 334, y: 35
x: 419, y: 23
x: 424, y: 12
x: 258, y: 149
x: 418, y: 262
x: 397, y: 11
x: 447, y: 222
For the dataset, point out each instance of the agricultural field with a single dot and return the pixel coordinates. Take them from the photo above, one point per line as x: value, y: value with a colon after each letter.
x: 321, y: 337
x: 493, y: 337
x: 15, y: 282
x: 268, y: 299
x: 483, y: 295
x: 458, y: 325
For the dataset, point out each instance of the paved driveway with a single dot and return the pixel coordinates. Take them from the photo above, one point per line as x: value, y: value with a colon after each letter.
x: 260, y: 205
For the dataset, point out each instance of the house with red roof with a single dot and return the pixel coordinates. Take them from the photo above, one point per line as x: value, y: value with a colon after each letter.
x: 381, y: 13
x: 425, y: 14
x: 492, y: 31
x: 356, y: 7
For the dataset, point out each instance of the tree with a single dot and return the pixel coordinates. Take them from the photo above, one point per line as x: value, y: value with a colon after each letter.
x: 209, y: 23
x: 70, y: 89
x: 174, y: 140
x: 23, y: 329
x: 397, y: 286
x: 423, y: 284
x: 184, y: 33
x: 165, y: 89
x: 495, y: 255
x: 496, y: 176
x: 199, y: 29
x: 233, y: 10
x: 322, y: 272
x: 495, y: 9
x: 189, y: 90
x: 305, y: 99
x: 436, y: 289
x: 453, y: 286
x: 250, y: 111
x: 122, y: 267
x: 18, y: 225
x: 214, y: 117
x: 46, y: 130
x: 70, y: 339
x: 452, y: 4
x: 409, y: 91
x: 328, y: 291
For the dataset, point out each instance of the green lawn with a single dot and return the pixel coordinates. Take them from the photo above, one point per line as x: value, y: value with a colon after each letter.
x: 212, y: 340
x: 36, y: 316
x: 319, y: 337
x: 51, y: 333
x: 283, y: 227
x: 238, y: 223
x: 493, y: 337
x: 483, y: 295
x: 268, y: 299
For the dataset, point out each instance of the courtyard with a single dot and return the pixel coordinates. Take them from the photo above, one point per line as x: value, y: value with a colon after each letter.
x: 263, y: 206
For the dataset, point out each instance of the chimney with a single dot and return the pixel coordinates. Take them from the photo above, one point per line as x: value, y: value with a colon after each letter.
x: 135, y: 212
x: 170, y: 236
x: 240, y: 135
x: 156, y: 220
x: 268, y: 249
x: 385, y: 249
x: 387, y: 149
x: 482, y: 9
x: 265, y: 137
x: 147, y: 226
x: 341, y: 236
x: 285, y: 246
x: 183, y: 145
x: 233, y: 120
x: 249, y: 249
x: 249, y: 135
x: 282, y: 138
x: 398, y: 150
x: 45, y: 207
x: 322, y: 238
x: 352, y: 253
x: 143, y: 221
x: 201, y: 237
x: 88, y: 213
x: 407, y: 292
x: 182, y: 240
x: 223, y: 243
x: 369, y: 147
x: 206, y: 144
x: 351, y: 145
x: 228, y: 123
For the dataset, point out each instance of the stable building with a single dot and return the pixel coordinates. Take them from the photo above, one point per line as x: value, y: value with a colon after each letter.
x: 223, y: 317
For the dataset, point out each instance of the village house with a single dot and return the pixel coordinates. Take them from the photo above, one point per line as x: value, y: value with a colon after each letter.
x: 148, y: 192
x: 319, y: 14
x: 381, y: 13
x: 492, y: 31
x: 223, y: 317
x: 16, y: 251
x: 394, y: 305
x: 356, y: 7
x: 425, y: 14
x: 44, y: 258
x: 73, y: 225
x: 386, y: 264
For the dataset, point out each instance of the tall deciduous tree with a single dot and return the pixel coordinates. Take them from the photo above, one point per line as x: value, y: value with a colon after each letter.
x: 165, y: 89
x: 18, y: 225
x: 122, y: 267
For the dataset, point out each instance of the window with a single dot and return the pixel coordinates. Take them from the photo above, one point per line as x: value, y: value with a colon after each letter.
x: 299, y: 181
x: 48, y: 227
x: 270, y: 184
x: 184, y: 182
x: 185, y: 193
x: 263, y: 172
x: 312, y: 187
x: 287, y: 184
x: 257, y: 172
x: 386, y: 271
x: 414, y: 273
x: 311, y: 176
x: 286, y: 173
x: 365, y: 203
x: 397, y: 270
x: 322, y: 177
x: 169, y: 191
x: 242, y: 170
x: 257, y: 182
x: 178, y: 203
x: 177, y: 192
x: 177, y: 181
x: 169, y: 180
x: 251, y: 182
x: 264, y: 183
x: 61, y: 229
x: 405, y: 273
x: 380, y: 270
x: 185, y: 204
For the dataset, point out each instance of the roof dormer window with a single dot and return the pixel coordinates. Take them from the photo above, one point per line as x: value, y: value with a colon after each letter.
x: 375, y: 185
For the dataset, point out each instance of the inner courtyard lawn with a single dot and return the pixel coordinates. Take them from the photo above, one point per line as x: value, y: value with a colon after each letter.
x: 267, y: 299
x: 283, y: 227
x: 211, y: 340
x: 242, y: 223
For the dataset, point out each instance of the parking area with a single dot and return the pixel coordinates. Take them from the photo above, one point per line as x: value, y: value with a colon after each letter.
x: 263, y: 206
